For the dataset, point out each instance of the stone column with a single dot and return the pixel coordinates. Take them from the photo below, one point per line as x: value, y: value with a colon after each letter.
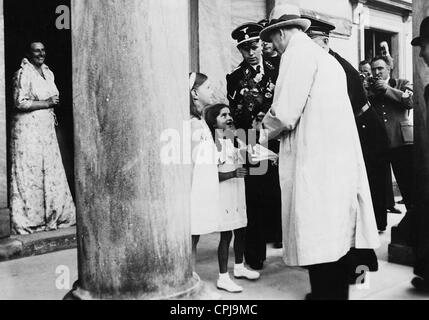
x: 130, y: 77
x: 4, y: 211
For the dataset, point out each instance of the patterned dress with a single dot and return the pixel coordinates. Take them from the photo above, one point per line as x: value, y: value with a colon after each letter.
x: 39, y: 193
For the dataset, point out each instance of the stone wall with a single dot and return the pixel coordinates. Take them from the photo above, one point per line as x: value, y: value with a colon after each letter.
x: 4, y: 213
x: 217, y: 18
x: 218, y: 52
x: 3, y: 146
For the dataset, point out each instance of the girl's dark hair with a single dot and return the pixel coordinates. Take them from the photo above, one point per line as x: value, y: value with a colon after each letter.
x: 211, y: 115
x: 200, y: 79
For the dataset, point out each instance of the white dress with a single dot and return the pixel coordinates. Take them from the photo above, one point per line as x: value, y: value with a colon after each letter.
x: 232, y: 191
x: 205, y: 208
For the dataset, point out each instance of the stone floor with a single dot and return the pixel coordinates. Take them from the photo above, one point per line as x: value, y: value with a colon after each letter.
x: 50, y: 276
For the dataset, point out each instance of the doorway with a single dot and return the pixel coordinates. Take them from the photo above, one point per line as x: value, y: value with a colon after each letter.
x: 27, y: 21
x: 373, y: 39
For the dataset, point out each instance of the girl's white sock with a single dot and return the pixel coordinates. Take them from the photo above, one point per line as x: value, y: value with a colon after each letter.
x: 239, y: 266
x: 224, y: 276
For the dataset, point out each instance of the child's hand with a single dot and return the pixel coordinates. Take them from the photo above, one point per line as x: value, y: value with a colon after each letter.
x: 241, y: 173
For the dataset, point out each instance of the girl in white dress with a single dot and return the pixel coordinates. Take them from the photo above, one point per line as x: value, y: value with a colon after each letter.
x: 232, y: 197
x: 205, y: 208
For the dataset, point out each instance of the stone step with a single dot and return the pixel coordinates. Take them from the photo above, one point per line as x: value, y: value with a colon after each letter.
x: 18, y: 246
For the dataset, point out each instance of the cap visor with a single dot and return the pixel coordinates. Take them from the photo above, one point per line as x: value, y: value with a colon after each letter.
x: 241, y: 43
x: 416, y: 42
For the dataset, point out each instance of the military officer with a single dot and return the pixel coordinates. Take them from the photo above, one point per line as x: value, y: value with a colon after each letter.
x: 251, y: 85
x: 250, y: 90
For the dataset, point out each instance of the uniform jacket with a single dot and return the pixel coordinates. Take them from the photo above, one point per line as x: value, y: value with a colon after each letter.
x: 243, y: 118
x: 394, y: 109
x: 372, y: 133
x: 355, y: 88
x: 326, y: 201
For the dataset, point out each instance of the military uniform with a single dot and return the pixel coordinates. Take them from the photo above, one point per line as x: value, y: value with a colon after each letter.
x: 243, y: 77
x: 373, y: 138
x: 250, y: 94
x: 394, y: 108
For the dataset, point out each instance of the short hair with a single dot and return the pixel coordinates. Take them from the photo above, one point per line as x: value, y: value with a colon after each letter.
x: 29, y: 46
x: 384, y: 58
x: 364, y: 62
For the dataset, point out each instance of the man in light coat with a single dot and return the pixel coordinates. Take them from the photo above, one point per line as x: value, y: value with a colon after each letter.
x: 326, y: 201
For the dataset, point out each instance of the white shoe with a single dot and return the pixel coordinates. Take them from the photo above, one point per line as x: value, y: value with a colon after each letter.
x: 243, y: 273
x: 228, y: 285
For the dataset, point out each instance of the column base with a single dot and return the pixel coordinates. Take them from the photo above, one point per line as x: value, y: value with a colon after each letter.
x: 4, y: 223
x: 199, y: 291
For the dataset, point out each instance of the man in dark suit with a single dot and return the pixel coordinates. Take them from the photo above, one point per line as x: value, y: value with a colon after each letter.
x: 366, y: 75
x: 250, y: 90
x: 393, y: 101
x: 372, y: 137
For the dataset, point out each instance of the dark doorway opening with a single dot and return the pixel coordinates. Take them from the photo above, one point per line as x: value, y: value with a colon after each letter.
x: 373, y: 39
x: 28, y: 21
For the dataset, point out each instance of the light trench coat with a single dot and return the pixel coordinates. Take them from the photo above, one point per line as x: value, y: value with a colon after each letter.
x: 326, y: 201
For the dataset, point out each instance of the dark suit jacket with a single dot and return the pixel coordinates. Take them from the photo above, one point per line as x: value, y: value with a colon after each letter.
x: 354, y: 84
x: 394, y: 110
x: 371, y: 130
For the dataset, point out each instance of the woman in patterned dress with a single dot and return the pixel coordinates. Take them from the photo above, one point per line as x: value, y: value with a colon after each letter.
x: 39, y: 193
